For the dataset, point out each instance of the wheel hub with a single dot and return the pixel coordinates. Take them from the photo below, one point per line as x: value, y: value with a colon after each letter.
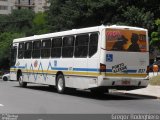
x: 60, y: 84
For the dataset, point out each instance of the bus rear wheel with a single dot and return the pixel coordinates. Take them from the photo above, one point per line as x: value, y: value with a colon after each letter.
x: 20, y: 80
x: 60, y: 84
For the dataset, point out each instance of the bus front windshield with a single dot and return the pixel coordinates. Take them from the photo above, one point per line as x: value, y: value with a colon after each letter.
x: 126, y: 40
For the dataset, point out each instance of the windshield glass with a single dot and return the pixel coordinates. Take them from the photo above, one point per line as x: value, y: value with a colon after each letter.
x: 126, y: 40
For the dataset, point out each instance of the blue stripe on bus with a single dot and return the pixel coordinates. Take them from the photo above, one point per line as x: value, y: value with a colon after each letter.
x: 129, y: 71
x: 59, y: 68
x: 18, y: 67
x: 78, y: 69
x: 86, y: 69
x: 108, y: 70
x: 132, y: 71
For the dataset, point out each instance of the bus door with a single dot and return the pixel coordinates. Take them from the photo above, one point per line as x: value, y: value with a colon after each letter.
x: 13, y: 57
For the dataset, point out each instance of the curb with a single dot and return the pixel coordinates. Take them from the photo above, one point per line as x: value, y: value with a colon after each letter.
x: 140, y: 95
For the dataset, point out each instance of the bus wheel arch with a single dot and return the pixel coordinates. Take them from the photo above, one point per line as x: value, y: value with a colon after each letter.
x: 20, y: 79
x: 60, y: 82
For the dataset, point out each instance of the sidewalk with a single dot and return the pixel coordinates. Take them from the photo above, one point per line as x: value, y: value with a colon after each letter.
x: 149, y: 91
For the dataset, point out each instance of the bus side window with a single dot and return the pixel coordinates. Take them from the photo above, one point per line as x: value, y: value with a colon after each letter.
x: 56, y: 47
x: 21, y: 50
x: 68, y: 46
x: 28, y: 50
x: 93, y: 43
x: 45, y: 49
x: 81, y: 46
x: 36, y: 49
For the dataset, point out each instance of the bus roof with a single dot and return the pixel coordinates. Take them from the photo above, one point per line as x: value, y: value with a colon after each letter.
x: 75, y: 31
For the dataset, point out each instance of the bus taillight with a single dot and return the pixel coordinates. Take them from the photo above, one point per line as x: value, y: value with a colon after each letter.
x: 102, y: 67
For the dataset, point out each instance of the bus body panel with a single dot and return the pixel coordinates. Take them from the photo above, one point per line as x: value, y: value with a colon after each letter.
x: 123, y: 69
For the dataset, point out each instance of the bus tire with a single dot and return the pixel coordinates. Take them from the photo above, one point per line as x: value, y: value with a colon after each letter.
x: 60, y: 84
x: 20, y: 80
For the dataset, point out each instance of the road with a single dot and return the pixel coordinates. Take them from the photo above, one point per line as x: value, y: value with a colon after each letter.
x: 41, y: 100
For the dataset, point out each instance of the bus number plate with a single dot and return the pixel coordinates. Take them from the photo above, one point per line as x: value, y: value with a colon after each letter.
x: 126, y: 82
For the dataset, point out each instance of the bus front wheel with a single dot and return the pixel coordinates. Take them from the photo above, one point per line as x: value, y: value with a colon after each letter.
x: 21, y: 83
x: 60, y: 85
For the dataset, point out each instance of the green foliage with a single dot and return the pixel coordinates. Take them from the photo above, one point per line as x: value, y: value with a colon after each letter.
x: 69, y: 14
x: 39, y: 19
x: 17, y: 21
x: 6, y: 39
x: 40, y: 23
x: 138, y: 17
x: 155, y: 36
x: 157, y: 22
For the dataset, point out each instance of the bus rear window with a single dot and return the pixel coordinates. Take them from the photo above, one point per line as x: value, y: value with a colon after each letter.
x: 126, y: 40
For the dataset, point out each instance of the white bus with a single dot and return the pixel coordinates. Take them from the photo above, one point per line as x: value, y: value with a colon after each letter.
x: 96, y: 58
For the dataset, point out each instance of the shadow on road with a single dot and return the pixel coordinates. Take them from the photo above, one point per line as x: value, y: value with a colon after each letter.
x: 87, y: 94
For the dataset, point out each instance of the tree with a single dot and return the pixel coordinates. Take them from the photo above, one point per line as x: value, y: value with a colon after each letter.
x: 17, y: 21
x: 40, y: 23
x: 5, y: 42
x: 138, y: 17
x: 155, y: 35
x: 23, y: 19
x: 69, y: 14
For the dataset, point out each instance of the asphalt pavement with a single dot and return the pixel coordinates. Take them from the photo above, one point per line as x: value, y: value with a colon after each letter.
x: 40, y: 99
